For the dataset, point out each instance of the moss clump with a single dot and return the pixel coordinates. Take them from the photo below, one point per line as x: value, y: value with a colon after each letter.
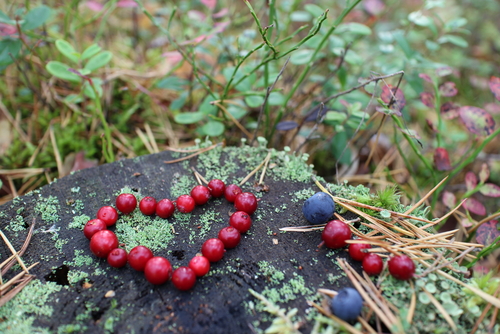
x: 48, y: 208
x: 79, y: 222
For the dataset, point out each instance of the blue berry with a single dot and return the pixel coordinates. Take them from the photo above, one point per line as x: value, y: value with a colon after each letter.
x: 347, y: 304
x: 318, y: 208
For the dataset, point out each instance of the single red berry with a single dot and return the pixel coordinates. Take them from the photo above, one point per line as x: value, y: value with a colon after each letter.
x: 216, y: 187
x: 241, y: 221
x: 184, y: 278
x: 165, y: 208
x: 246, y: 202
x: 107, y: 214
x: 401, y: 267
x: 103, y: 242
x: 147, y: 205
x: 231, y: 192
x: 230, y: 237
x: 213, y: 249
x: 200, y: 265
x: 139, y: 256
x: 93, y: 226
x: 126, y: 203
x: 335, y: 234
x: 356, y: 251
x: 185, y: 203
x: 373, y: 264
x: 200, y: 194
x: 117, y: 258
x: 158, y: 270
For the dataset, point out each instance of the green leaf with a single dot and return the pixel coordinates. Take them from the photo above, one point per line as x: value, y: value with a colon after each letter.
x: 189, y: 117
x: 315, y: 10
x: 4, y: 18
x: 301, y: 57
x: 254, y: 101
x: 353, y: 58
x: 178, y: 103
x: 456, y: 40
x: 9, y: 46
x: 98, y: 61
x: 67, y: 50
x: 455, y: 23
x: 300, y: 16
x: 236, y: 111
x: 172, y: 83
x: 403, y: 43
x: 90, y: 51
x: 60, y: 70
x: 36, y: 17
x: 213, y: 128
x: 276, y: 99
x: 89, y: 92
x: 354, y: 28
x: 335, y: 116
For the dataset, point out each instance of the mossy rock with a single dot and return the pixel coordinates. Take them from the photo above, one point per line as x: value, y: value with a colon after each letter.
x: 70, y: 293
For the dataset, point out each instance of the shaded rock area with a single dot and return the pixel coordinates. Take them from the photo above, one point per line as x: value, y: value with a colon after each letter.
x: 89, y: 296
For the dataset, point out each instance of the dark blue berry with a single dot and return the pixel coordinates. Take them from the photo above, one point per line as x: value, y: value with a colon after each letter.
x: 318, y: 208
x: 347, y: 304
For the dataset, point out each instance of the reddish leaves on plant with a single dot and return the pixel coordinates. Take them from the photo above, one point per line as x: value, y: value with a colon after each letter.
x: 474, y: 206
x: 484, y: 174
x: 374, y: 7
x: 427, y: 99
x: 490, y: 190
x: 448, y: 89
x: 441, y: 159
x: 470, y: 180
x: 431, y: 125
x: 477, y: 120
x: 425, y: 77
x: 394, y: 94
x: 444, y: 71
x: 488, y: 232
x: 449, y: 110
x: 495, y: 87
x: 449, y: 199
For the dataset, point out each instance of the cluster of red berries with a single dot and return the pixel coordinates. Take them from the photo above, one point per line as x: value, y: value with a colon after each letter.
x: 335, y: 235
x: 104, y: 243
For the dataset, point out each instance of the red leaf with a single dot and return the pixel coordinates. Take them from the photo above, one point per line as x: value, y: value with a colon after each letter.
x: 470, y: 180
x: 466, y: 222
x: 477, y: 120
x: 449, y: 110
x: 448, y: 89
x: 431, y: 125
x: 487, y: 232
x: 427, y: 99
x: 449, y: 199
x: 492, y: 108
x: 442, y: 159
x: 209, y: 3
x: 495, y: 87
x: 394, y: 94
x: 474, y: 206
x: 490, y: 190
x: 484, y: 174
x: 425, y: 77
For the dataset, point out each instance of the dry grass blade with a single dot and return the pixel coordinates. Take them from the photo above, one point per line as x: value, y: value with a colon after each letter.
x: 13, y: 292
x: 7, y: 264
x: 268, y: 156
x: 441, y: 309
x: 57, y: 155
x: 203, y: 150
x: 22, y: 173
x: 235, y: 121
x: 14, y: 253
x: 145, y: 140
x: 14, y: 279
x: 483, y: 314
x: 423, y: 199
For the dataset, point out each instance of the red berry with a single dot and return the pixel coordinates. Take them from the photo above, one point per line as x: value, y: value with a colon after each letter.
x: 184, y: 278
x: 230, y: 237
x: 401, y: 267
x: 231, y: 192
x: 216, y: 187
x: 139, y: 256
x: 373, y: 264
x: 117, y: 258
x: 103, y: 242
x: 213, y: 249
x: 126, y: 203
x: 185, y: 203
x: 92, y: 227
x: 147, y: 205
x: 200, y: 265
x: 356, y: 253
x: 200, y: 194
x: 107, y: 214
x: 158, y: 270
x: 165, y: 208
x: 241, y: 221
x: 335, y: 234
x: 246, y: 202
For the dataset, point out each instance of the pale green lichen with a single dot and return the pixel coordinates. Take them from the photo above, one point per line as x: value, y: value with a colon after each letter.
x: 48, y: 208
x: 79, y: 222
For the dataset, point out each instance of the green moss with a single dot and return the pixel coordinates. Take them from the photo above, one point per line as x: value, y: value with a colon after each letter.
x: 79, y: 222
x: 75, y: 189
x: 274, y: 275
x: 17, y: 224
x: 75, y: 276
x: 80, y: 259
x: 48, y: 208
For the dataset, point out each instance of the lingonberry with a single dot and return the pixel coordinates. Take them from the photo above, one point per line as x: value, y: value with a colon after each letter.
x: 117, y: 258
x: 213, y: 249
x: 92, y: 227
x: 200, y: 265
x: 139, y: 256
x: 147, y: 205
x: 184, y: 278
x: 401, y: 267
x: 241, y: 221
x: 107, y: 214
x: 373, y: 264
x: 165, y: 208
x: 126, y: 203
x: 216, y: 187
x: 246, y: 202
x: 231, y: 192
x: 200, y: 194
x: 356, y: 251
x: 103, y: 242
x: 230, y: 237
x: 158, y: 270
x: 347, y: 304
x: 185, y: 203
x: 335, y: 234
